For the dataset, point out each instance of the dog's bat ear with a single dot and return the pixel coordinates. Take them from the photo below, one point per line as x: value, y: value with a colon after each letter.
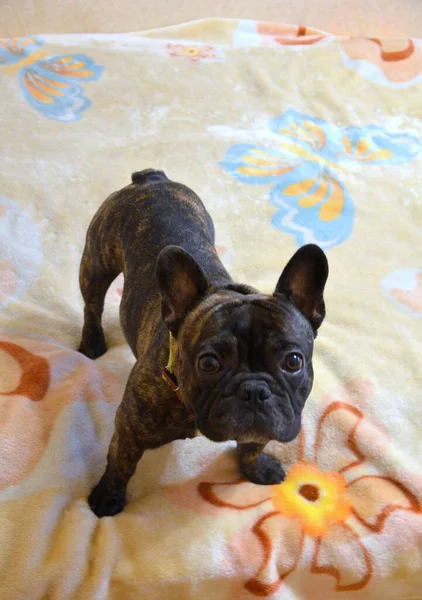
x: 303, y: 281
x: 182, y: 284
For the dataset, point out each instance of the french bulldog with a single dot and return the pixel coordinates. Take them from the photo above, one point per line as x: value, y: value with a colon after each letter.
x: 212, y: 355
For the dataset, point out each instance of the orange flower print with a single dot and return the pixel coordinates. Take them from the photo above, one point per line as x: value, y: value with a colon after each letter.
x: 291, y: 35
x: 193, y: 53
x: 395, y: 63
x: 320, y: 517
x: 255, y: 33
x: 38, y: 381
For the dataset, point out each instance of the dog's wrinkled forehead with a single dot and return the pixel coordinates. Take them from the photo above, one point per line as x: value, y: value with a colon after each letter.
x: 253, y: 318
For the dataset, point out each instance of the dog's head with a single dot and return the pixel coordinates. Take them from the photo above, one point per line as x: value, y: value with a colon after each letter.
x: 244, y: 362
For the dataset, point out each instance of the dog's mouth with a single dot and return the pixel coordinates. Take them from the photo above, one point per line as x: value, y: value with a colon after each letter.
x: 230, y: 419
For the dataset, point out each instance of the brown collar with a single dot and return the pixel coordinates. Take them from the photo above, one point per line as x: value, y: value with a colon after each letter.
x: 171, y: 380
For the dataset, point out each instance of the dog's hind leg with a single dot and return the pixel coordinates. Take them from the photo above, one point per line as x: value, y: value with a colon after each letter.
x: 94, y: 280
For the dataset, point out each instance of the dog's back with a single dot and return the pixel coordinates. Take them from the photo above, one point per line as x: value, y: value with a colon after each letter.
x: 127, y: 234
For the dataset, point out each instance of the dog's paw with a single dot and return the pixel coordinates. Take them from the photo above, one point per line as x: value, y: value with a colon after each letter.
x: 104, y: 504
x: 94, y: 348
x: 266, y: 470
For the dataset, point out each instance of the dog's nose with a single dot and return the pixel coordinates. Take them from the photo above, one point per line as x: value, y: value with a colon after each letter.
x: 254, y: 392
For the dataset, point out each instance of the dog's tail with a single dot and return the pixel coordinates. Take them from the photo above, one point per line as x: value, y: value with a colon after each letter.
x: 148, y: 176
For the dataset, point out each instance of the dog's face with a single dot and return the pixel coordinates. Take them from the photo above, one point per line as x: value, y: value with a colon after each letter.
x: 244, y: 358
x: 245, y: 366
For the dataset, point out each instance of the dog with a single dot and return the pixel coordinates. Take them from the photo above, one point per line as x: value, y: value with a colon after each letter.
x: 212, y: 356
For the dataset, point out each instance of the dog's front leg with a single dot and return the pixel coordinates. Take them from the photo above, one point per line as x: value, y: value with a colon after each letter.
x: 126, y: 448
x: 144, y: 420
x: 259, y: 467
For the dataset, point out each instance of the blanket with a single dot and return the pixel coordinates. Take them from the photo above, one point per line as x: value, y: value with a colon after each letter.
x: 289, y: 135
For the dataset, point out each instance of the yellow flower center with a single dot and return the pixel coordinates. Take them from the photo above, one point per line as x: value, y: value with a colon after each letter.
x: 316, y: 499
x: 191, y: 51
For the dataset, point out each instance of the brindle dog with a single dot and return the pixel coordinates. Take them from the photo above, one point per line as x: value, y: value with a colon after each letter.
x: 241, y: 362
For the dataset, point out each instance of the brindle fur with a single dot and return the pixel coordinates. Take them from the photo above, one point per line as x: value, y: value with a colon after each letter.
x: 127, y: 234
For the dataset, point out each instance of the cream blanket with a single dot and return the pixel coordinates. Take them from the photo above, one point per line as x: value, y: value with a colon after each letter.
x: 290, y: 136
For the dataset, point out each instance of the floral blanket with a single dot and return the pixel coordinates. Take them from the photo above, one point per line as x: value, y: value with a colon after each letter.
x: 290, y: 136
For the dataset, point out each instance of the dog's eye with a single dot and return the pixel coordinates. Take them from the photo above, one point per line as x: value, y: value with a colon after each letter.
x: 293, y: 362
x: 209, y: 363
